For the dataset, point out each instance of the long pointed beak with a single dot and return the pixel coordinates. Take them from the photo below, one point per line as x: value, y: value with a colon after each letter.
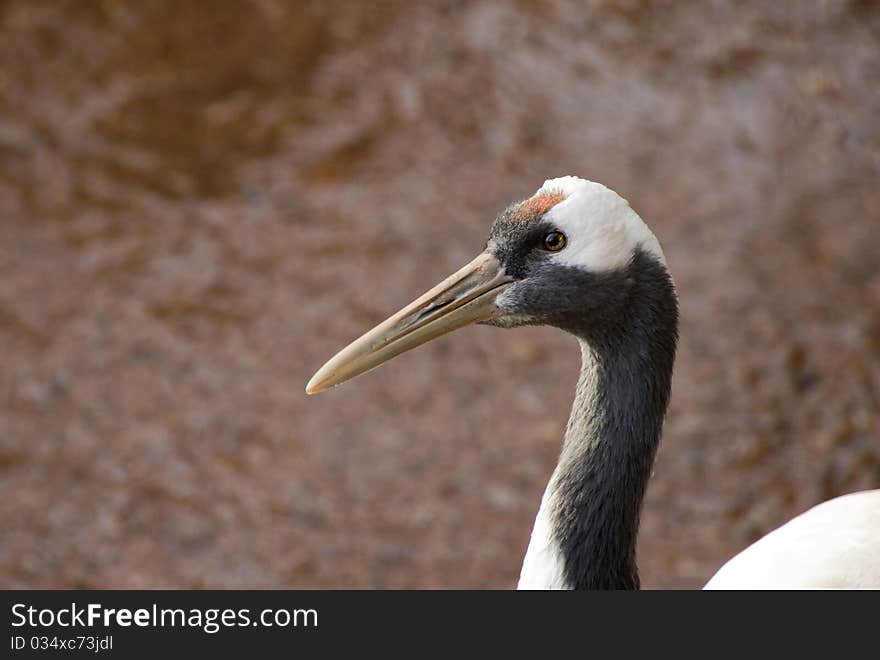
x: 467, y: 296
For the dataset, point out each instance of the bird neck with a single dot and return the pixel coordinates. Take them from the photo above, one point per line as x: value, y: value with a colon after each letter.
x: 586, y: 530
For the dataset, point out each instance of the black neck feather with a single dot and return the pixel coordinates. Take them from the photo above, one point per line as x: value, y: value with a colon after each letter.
x: 616, y: 422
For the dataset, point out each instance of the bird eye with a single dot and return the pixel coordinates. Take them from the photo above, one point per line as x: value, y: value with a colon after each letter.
x: 554, y: 241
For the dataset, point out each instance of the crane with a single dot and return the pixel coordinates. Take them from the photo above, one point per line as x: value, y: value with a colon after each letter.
x: 576, y: 256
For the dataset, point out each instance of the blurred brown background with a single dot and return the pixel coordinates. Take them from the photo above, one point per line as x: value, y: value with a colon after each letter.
x: 201, y: 201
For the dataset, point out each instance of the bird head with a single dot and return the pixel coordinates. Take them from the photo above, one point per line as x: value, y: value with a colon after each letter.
x: 559, y: 258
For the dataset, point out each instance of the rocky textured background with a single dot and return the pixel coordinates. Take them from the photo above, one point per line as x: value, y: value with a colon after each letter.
x: 200, y: 202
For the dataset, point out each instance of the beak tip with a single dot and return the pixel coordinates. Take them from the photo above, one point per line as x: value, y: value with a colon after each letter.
x: 314, y: 385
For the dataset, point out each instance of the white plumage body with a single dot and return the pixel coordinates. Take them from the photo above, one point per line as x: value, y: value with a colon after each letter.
x: 834, y: 545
